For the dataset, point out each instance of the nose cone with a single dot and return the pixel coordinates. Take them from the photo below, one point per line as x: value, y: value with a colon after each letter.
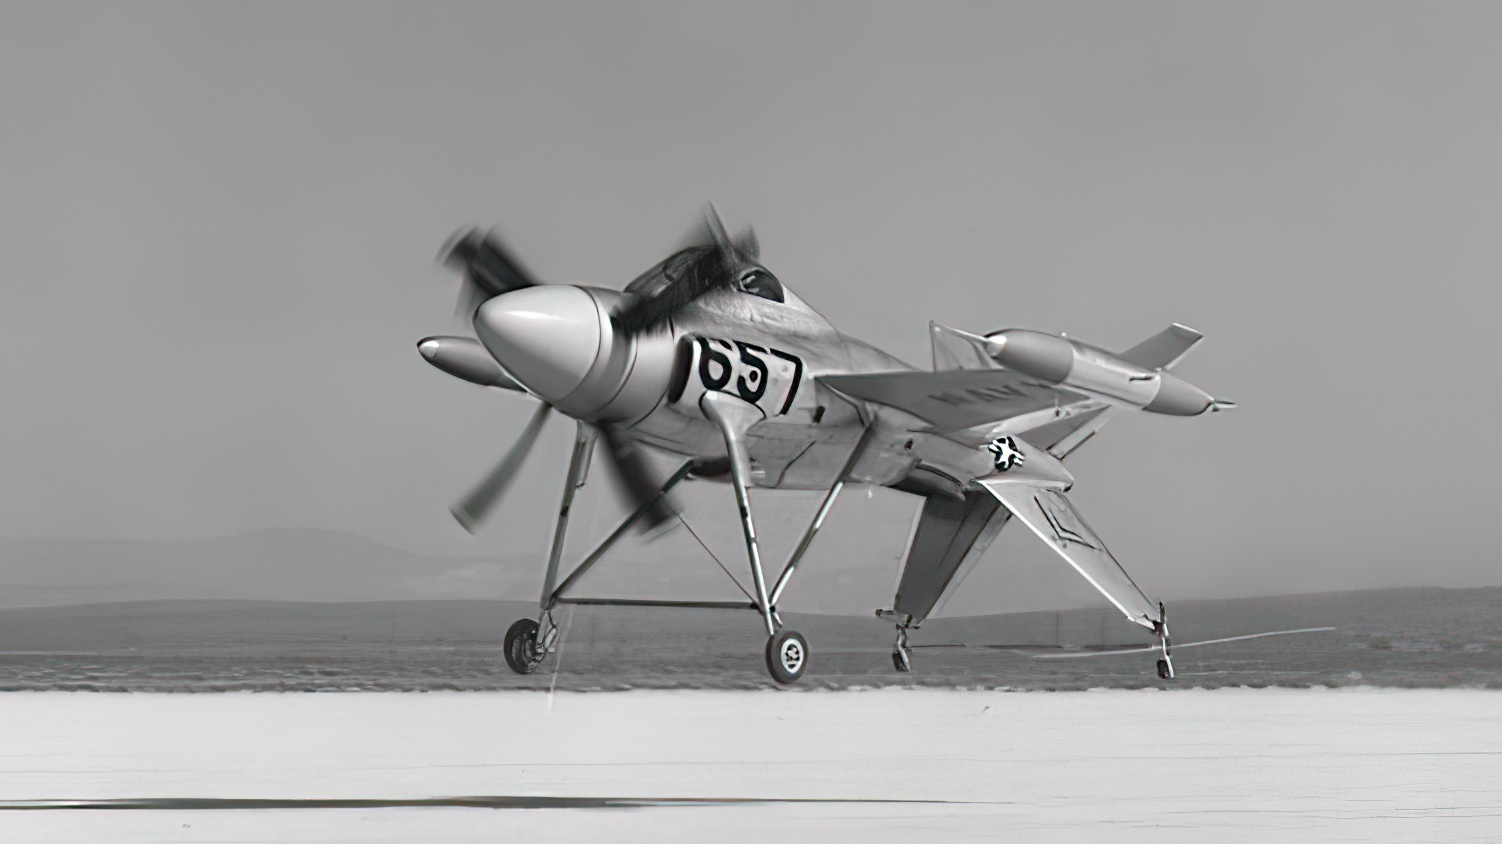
x: 547, y: 337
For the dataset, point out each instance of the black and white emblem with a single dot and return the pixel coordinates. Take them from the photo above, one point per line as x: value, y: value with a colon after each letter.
x: 1004, y: 450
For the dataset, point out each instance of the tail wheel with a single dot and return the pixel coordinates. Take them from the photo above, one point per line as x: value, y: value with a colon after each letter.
x: 522, y: 653
x: 787, y: 656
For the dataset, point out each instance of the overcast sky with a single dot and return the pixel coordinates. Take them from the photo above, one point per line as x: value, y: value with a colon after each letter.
x: 218, y: 225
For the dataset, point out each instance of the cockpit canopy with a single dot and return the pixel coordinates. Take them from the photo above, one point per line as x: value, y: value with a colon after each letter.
x: 752, y: 278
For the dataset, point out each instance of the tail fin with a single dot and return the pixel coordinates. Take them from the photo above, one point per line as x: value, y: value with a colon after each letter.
x: 1164, y: 349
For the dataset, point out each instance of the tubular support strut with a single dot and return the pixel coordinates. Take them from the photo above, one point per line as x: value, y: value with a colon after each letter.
x: 578, y: 468
x: 643, y: 602
x: 552, y: 599
x: 734, y: 416
x: 813, y: 527
x: 1165, y: 643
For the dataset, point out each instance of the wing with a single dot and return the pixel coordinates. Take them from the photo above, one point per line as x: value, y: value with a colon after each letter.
x: 950, y: 536
x: 955, y: 399
x: 1062, y: 436
x: 968, y: 389
x: 1048, y: 513
x: 971, y: 393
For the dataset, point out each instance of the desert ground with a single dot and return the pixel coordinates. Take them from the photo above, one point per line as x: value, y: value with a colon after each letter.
x: 1359, y: 764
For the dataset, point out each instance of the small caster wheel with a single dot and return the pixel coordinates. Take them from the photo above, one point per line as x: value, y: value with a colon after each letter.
x: 522, y: 653
x: 787, y: 656
x: 902, y: 660
x: 1165, y: 671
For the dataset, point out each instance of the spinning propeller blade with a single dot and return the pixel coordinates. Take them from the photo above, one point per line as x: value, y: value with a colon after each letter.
x: 487, y: 269
x: 485, y: 259
x: 478, y: 502
x: 635, y: 476
x: 712, y: 261
x: 469, y: 300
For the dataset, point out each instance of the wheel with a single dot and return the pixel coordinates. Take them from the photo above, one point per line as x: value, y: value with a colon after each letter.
x: 521, y: 647
x: 901, y: 660
x: 1164, y: 671
x: 787, y: 656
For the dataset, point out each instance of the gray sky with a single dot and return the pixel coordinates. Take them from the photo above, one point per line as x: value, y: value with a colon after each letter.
x: 219, y: 225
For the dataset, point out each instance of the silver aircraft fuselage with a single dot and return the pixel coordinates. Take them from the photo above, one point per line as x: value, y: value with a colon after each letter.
x: 809, y: 429
x: 768, y: 353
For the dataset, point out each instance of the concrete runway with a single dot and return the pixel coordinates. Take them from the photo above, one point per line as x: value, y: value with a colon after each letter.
x: 1189, y: 765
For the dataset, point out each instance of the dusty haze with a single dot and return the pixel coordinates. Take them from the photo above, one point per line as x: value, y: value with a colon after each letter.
x: 219, y: 225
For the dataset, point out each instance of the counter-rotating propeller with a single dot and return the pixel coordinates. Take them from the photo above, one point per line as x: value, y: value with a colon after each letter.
x: 712, y: 261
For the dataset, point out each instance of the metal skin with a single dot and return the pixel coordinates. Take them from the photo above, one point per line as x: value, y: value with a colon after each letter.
x: 584, y: 368
x: 768, y: 384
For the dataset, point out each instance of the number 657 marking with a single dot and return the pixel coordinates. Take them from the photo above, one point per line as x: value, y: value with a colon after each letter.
x: 748, y: 370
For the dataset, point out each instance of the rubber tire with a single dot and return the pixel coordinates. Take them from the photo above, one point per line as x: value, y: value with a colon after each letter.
x: 1163, y: 670
x: 901, y: 661
x: 787, y: 656
x: 521, y: 647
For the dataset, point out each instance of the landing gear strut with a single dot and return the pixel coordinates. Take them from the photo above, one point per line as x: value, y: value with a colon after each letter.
x: 902, y: 653
x: 787, y: 652
x: 529, y: 642
x: 902, y: 656
x: 1165, y: 644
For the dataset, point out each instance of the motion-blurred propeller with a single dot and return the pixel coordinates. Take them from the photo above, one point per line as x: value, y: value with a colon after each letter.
x: 711, y: 261
x: 635, y: 477
x: 476, y: 504
x: 486, y: 269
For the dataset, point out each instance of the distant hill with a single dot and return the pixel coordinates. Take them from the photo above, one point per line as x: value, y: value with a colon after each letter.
x: 267, y: 565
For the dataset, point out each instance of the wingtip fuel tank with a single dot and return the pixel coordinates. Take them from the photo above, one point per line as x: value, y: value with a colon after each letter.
x: 1059, y: 360
x: 466, y: 359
